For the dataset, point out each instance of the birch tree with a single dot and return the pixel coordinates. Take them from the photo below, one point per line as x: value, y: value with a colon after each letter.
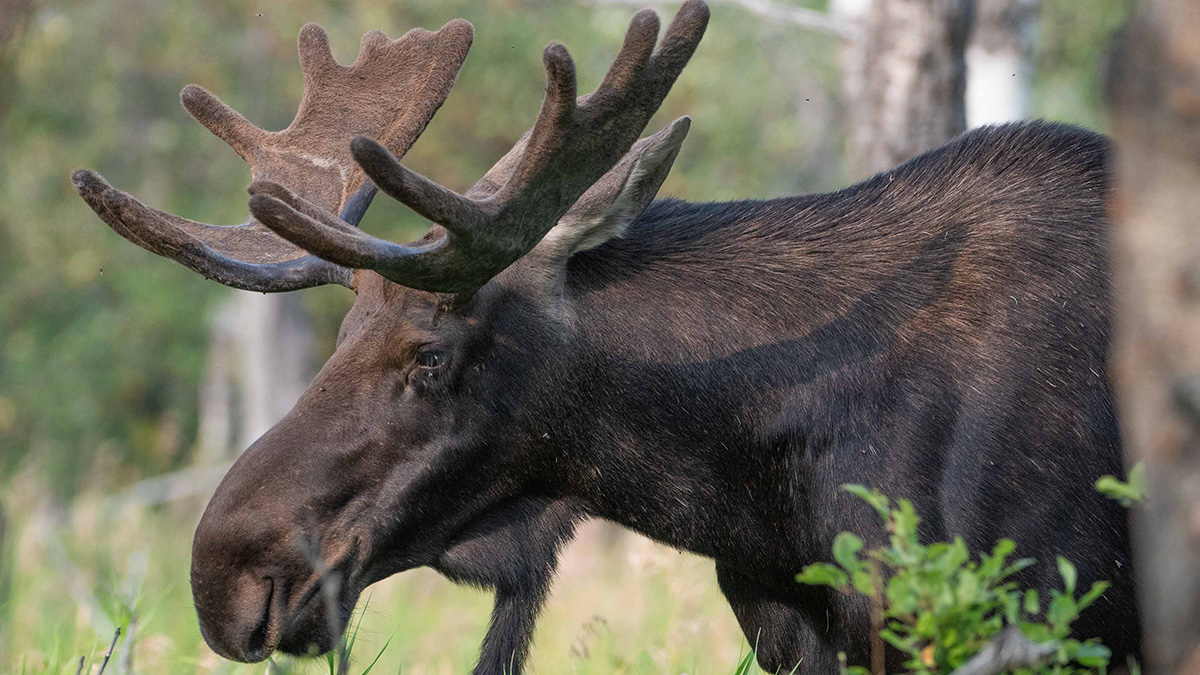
x: 1000, y: 61
x: 905, y: 77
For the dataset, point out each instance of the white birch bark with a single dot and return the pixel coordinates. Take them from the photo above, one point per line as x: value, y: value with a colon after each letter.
x: 1000, y: 61
x: 904, y: 77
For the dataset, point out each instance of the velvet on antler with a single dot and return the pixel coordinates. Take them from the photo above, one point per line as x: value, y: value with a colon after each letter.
x: 390, y: 92
x: 571, y: 146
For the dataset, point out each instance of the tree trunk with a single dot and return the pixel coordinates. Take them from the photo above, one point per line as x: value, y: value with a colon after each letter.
x: 259, y: 363
x: 905, y: 78
x: 276, y: 345
x: 1155, y: 90
x: 1000, y: 61
x: 215, y: 438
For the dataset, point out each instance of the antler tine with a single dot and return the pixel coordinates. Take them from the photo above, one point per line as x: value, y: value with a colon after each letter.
x: 349, y: 248
x: 554, y: 119
x: 226, y: 260
x: 678, y: 45
x: 572, y: 144
x: 391, y: 91
x: 634, y: 54
x: 273, y: 189
x: 430, y: 200
x: 316, y: 58
x: 224, y: 122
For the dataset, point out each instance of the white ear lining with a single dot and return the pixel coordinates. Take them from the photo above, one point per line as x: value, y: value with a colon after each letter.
x: 580, y: 233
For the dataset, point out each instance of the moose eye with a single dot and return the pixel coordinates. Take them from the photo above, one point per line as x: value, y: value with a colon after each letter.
x: 431, y: 359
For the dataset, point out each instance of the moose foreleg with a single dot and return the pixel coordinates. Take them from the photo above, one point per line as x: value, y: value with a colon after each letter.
x: 514, y: 550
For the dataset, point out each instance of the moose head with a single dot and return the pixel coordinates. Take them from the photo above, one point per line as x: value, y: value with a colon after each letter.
x: 425, y: 430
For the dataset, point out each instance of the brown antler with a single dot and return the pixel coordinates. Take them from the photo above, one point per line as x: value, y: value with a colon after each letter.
x: 506, y: 214
x: 390, y: 92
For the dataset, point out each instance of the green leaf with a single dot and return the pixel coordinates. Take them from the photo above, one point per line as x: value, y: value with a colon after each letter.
x: 926, y: 625
x: 1031, y: 602
x: 872, y: 497
x: 1036, y: 631
x: 968, y: 587
x: 1004, y: 548
x: 823, y: 574
x: 901, y: 597
x: 1092, y: 654
x: 949, y: 636
x: 943, y: 602
x: 845, y: 550
x: 1128, y: 494
x: 1017, y: 566
x: 956, y: 554
x: 863, y: 582
x: 903, y: 644
x: 1069, y: 575
x: 905, y: 520
x: 1093, y: 594
x: 992, y: 565
x: 1061, y: 613
x: 1012, y: 604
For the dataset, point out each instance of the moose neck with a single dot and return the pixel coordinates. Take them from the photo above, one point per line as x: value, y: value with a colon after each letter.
x: 721, y: 341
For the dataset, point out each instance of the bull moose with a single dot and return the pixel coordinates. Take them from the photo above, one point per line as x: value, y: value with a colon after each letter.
x: 561, y: 346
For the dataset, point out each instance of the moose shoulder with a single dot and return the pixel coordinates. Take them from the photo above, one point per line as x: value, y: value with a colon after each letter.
x: 561, y: 346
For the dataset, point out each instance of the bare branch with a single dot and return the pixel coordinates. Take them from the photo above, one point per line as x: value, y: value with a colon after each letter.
x: 799, y: 16
x: 112, y: 646
x: 1008, y: 650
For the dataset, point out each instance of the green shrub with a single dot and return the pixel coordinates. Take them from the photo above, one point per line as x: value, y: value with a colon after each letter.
x: 940, y: 607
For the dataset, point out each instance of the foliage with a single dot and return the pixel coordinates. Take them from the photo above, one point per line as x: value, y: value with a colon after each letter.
x: 940, y: 607
x: 1072, y: 50
x: 1128, y: 493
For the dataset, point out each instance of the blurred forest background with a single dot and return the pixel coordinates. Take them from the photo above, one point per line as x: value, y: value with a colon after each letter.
x: 119, y: 368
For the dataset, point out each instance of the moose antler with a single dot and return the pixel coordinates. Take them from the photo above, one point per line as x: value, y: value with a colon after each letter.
x: 390, y: 92
x: 572, y: 144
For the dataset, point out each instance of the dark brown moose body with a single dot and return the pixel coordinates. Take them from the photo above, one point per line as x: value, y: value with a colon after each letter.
x: 561, y: 346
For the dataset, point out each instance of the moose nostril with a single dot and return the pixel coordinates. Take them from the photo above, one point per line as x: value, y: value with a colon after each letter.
x: 257, y: 647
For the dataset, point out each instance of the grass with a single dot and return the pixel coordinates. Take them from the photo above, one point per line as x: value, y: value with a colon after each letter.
x: 70, y: 577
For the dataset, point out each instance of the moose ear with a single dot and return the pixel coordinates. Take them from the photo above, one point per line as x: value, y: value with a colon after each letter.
x: 620, y: 196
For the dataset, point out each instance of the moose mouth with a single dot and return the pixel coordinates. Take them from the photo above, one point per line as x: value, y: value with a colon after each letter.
x: 311, y: 628
x: 321, y: 614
